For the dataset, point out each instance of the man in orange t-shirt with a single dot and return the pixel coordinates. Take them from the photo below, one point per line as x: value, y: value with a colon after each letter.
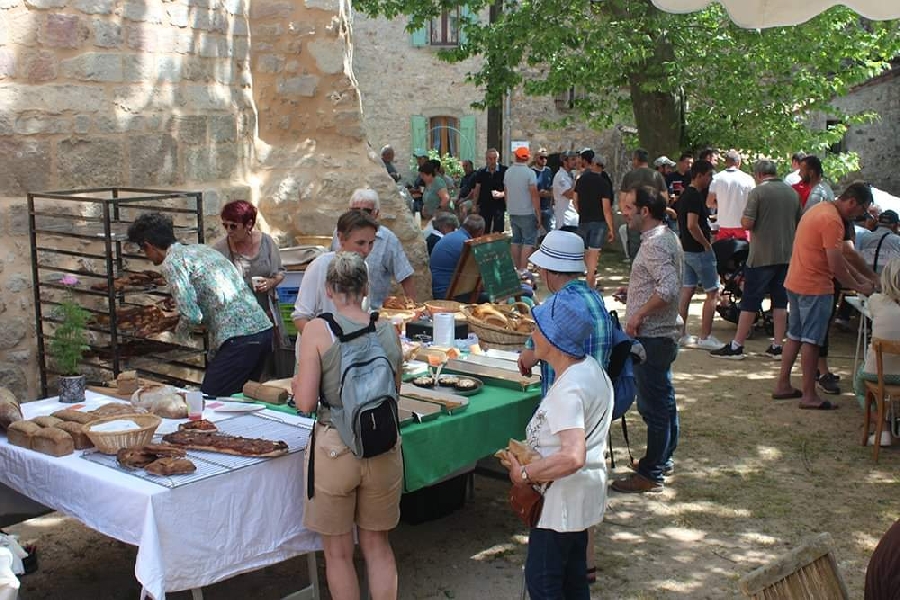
x: 816, y: 260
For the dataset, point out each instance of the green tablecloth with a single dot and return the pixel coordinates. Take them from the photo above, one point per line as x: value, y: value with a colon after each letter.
x: 437, y: 448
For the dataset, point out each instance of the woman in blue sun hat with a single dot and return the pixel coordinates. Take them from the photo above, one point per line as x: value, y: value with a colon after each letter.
x: 568, y: 430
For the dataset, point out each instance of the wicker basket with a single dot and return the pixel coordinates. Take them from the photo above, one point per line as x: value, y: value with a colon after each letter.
x: 110, y: 442
x: 442, y: 306
x: 314, y: 240
x: 494, y: 336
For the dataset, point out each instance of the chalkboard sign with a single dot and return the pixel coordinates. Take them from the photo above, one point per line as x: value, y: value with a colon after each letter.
x: 486, y: 260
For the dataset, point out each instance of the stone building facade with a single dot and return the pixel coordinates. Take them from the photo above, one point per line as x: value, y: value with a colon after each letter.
x: 409, y: 95
x: 237, y: 98
x: 876, y: 143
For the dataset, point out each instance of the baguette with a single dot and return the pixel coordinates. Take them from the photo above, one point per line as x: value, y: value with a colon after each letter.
x: 52, y: 441
x: 20, y: 433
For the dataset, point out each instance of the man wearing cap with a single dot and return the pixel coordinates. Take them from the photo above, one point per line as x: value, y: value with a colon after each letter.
x: 651, y: 317
x: 728, y: 194
x: 488, y: 193
x: 524, y: 206
x: 772, y: 214
x: 563, y: 194
x: 664, y: 165
x: 883, y: 243
x: 593, y: 201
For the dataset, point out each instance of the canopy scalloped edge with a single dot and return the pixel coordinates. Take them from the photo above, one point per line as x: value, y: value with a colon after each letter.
x: 754, y: 14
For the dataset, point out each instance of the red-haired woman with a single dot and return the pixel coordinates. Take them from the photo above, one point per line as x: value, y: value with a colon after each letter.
x: 256, y: 256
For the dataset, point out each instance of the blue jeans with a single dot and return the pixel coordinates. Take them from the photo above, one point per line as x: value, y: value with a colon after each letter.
x: 556, y: 566
x: 656, y: 403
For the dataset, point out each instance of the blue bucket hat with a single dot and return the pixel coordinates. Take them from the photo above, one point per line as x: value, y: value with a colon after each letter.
x: 565, y: 321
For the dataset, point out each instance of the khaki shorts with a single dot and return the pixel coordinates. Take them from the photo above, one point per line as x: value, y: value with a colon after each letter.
x: 349, y: 490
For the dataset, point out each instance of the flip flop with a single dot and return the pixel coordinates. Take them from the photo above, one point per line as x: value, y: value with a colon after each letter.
x: 792, y: 395
x: 823, y: 405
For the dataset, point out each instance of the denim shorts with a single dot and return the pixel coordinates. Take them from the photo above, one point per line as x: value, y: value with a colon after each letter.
x: 700, y: 269
x: 524, y: 229
x: 593, y: 234
x: 808, y: 317
x: 759, y: 281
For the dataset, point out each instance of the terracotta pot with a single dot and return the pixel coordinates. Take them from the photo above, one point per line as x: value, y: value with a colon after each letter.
x: 71, y: 388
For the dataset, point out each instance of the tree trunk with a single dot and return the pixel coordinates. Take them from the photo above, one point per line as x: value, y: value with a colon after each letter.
x: 658, y: 115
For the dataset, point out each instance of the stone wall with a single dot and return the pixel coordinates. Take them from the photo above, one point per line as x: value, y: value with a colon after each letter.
x: 175, y: 94
x: 877, y: 143
x: 398, y: 80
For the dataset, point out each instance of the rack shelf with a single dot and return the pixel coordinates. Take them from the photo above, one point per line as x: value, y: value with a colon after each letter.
x: 83, y: 232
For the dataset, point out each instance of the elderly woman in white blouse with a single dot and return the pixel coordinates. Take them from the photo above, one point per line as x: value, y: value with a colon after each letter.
x: 568, y: 431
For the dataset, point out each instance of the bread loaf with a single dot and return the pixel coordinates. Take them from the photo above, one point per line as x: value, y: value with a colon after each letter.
x: 9, y: 408
x: 47, y: 421
x: 74, y: 416
x: 20, y: 432
x: 52, y: 441
x: 82, y: 441
x: 127, y: 382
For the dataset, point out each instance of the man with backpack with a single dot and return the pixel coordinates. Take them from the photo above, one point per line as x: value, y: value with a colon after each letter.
x: 560, y: 259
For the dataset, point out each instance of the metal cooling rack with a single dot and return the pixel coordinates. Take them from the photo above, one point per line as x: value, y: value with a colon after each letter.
x: 210, y: 464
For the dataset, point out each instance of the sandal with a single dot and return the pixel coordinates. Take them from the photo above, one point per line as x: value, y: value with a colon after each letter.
x: 592, y: 575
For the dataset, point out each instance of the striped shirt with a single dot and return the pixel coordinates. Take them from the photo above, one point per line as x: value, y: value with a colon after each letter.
x: 599, y: 344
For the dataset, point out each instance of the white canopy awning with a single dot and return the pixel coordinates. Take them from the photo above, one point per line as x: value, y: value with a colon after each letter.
x: 754, y: 14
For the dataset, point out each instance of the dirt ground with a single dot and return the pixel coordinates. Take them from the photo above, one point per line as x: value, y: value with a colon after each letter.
x: 754, y: 477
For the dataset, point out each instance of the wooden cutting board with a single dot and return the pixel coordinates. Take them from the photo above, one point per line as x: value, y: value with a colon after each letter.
x: 448, y: 400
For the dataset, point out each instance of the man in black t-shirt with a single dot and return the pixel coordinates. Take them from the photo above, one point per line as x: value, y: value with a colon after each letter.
x: 699, y: 258
x: 593, y: 201
x: 488, y: 193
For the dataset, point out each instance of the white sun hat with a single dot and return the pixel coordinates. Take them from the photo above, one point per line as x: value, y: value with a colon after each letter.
x: 561, y: 251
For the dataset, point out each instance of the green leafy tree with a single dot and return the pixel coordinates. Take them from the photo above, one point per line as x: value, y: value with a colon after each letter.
x: 69, y: 340
x: 685, y: 80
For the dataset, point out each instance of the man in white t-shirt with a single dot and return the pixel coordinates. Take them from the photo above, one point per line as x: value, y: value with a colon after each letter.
x: 523, y: 205
x: 564, y: 192
x: 794, y: 176
x: 728, y: 193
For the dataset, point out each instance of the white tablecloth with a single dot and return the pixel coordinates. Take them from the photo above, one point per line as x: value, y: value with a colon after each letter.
x: 187, y: 537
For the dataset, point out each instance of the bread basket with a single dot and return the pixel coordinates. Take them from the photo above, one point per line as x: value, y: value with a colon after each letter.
x: 110, y: 442
x: 494, y: 336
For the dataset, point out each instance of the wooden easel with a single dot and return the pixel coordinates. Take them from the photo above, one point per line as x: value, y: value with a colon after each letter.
x: 486, y: 262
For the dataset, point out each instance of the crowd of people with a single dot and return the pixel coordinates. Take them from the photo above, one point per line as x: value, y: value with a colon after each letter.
x: 804, y: 249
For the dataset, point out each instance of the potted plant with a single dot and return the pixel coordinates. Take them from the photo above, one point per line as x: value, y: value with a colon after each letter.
x: 68, y: 344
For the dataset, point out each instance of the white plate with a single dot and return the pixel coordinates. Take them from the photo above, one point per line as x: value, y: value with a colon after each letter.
x: 239, y: 407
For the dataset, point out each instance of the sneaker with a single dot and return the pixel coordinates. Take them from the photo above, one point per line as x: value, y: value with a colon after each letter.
x: 828, y: 384
x: 885, y: 439
x: 729, y: 351
x: 774, y: 351
x: 636, y: 484
x: 710, y: 343
x: 686, y: 341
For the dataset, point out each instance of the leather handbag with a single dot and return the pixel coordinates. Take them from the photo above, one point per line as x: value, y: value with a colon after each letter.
x: 527, y: 503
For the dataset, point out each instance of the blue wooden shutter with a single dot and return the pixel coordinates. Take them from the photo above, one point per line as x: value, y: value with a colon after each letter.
x: 467, y: 138
x: 464, y: 16
x: 419, y: 37
x: 419, y: 128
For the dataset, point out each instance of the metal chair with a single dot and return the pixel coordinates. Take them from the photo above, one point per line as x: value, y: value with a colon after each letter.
x: 879, y: 393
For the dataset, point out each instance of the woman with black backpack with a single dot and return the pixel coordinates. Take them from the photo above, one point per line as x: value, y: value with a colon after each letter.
x: 352, y: 478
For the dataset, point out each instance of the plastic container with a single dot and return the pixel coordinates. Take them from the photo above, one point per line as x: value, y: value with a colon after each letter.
x: 287, y: 295
x: 195, y: 405
x: 289, y: 327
